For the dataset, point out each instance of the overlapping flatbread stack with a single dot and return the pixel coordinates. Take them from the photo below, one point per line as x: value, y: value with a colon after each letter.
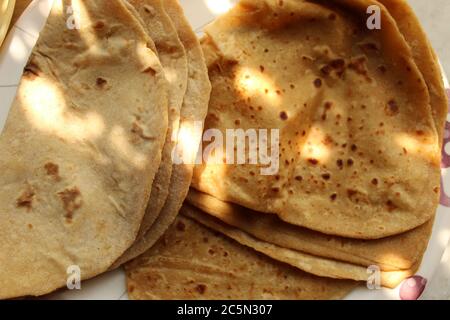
x: 88, y: 180
x: 360, y: 113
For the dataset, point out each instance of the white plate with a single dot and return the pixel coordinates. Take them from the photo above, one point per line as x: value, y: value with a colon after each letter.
x: 13, y: 58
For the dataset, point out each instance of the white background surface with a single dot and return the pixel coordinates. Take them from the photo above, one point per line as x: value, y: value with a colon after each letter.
x: 435, y: 17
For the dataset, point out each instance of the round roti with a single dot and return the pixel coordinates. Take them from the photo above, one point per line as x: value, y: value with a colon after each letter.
x: 359, y: 149
x: 393, y: 253
x: 80, y: 148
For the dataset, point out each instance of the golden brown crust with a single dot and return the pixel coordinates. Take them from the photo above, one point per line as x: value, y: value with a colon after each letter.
x: 369, y: 119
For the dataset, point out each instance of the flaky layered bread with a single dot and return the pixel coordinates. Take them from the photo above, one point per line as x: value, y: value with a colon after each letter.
x: 313, y: 264
x: 359, y: 148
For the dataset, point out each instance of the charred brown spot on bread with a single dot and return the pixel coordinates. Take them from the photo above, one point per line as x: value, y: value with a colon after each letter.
x: 326, y: 176
x: 358, y: 65
x: 101, y: 82
x: 201, y: 288
x: 328, y: 105
x: 26, y: 199
x: 392, y: 108
x: 52, y: 170
x: 391, y: 206
x: 356, y: 196
x: 71, y: 199
x: 351, y: 192
x: 369, y: 47
x: 326, y: 70
x: 284, y: 116
x: 138, y: 132
x: 318, y: 83
x: 149, y: 70
x: 337, y: 64
x: 99, y: 25
x: 328, y: 140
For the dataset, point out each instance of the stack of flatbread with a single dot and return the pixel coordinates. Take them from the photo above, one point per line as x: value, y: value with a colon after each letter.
x: 99, y: 148
x: 111, y: 95
x: 360, y: 108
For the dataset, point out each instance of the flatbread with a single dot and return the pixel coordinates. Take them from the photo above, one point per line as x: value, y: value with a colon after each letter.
x: 315, y: 265
x: 173, y: 59
x: 193, y: 112
x: 393, y: 253
x: 193, y: 262
x: 359, y: 149
x: 80, y: 148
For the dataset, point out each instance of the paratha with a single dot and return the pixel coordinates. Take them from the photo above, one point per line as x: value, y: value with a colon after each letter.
x: 359, y: 149
x: 80, y: 147
x: 315, y: 265
x: 193, y: 262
